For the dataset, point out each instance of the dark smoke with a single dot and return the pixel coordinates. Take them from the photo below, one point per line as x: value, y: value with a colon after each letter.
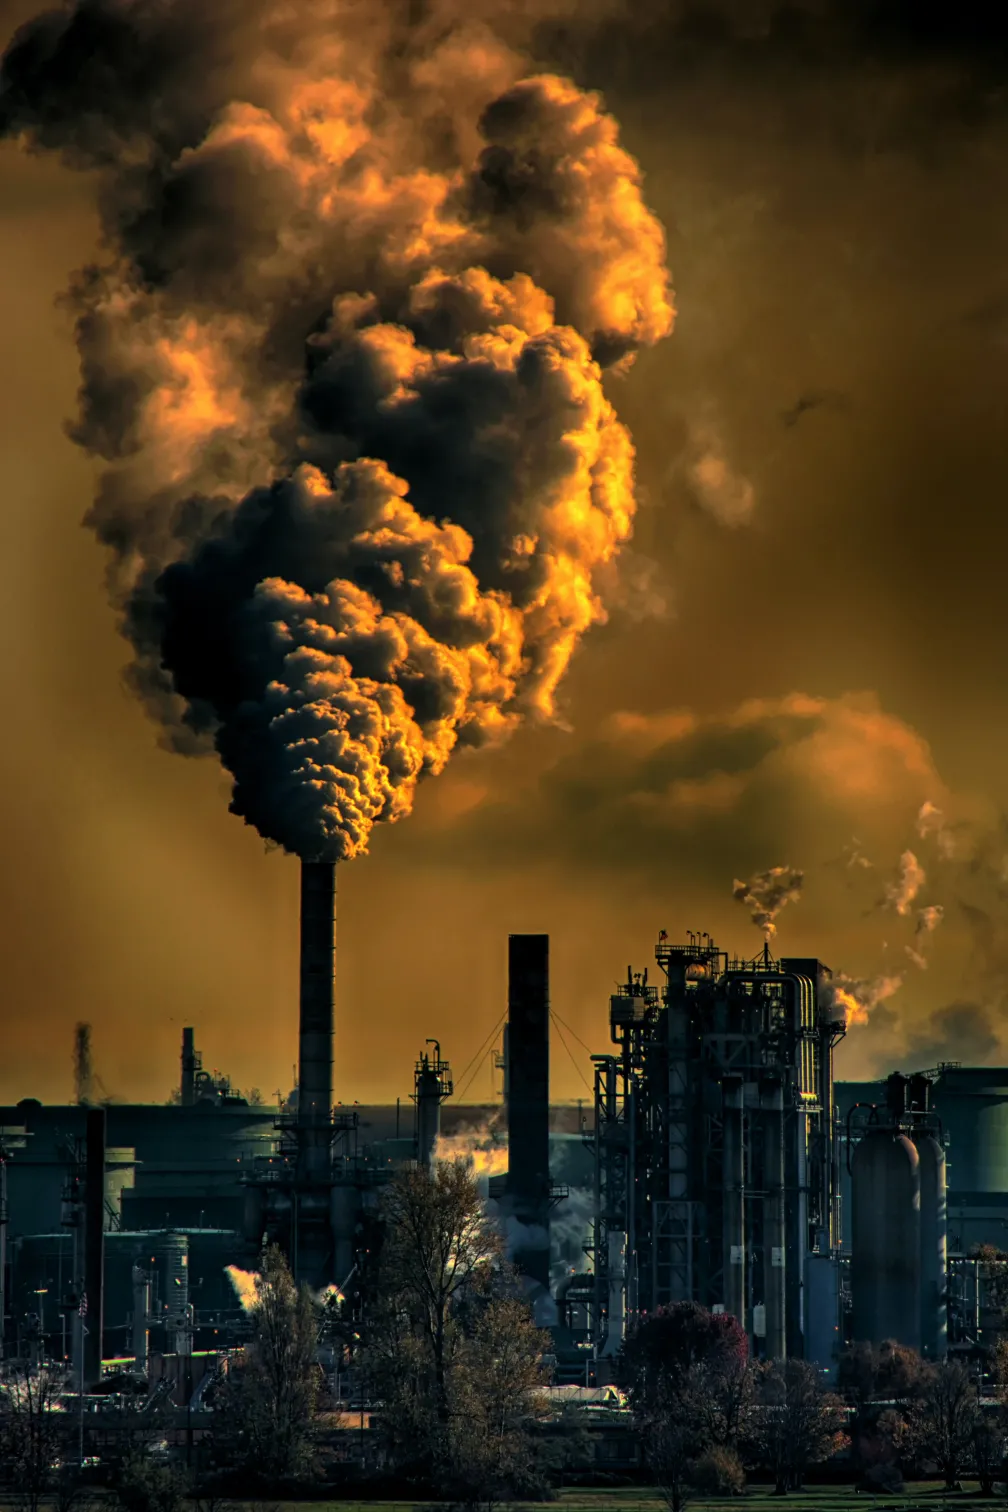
x: 344, y: 361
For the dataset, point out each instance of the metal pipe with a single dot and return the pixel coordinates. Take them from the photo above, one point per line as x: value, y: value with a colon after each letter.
x: 733, y: 1202
x: 317, y: 997
x: 774, y: 1223
x: 141, y: 1318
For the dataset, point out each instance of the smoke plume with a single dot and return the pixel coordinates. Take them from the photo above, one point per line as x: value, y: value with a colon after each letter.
x: 246, y: 1285
x: 928, y: 920
x: 857, y: 997
x: 484, y: 1148
x: 343, y: 359
x: 931, y: 821
x: 900, y: 894
x: 766, y: 894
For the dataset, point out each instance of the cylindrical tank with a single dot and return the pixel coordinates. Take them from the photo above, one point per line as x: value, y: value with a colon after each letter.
x: 175, y: 1254
x: 886, y: 1239
x: 933, y: 1234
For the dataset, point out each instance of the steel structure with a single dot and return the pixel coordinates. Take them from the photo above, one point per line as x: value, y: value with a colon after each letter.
x: 715, y: 1168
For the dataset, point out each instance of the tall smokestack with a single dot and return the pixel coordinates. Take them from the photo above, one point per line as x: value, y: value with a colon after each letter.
x: 187, y: 1089
x: 83, y: 1071
x: 528, y: 1182
x: 315, y: 1047
x: 94, y: 1243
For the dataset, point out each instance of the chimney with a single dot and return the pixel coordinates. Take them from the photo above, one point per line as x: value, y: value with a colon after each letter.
x: 94, y: 1242
x: 188, y: 1086
x: 528, y: 1182
x: 317, y: 991
x: 432, y: 1084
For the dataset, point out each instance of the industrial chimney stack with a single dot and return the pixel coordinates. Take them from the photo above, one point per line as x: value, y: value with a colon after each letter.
x: 528, y: 1182
x: 317, y: 991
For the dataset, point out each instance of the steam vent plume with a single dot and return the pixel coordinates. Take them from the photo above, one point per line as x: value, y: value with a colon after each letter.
x: 343, y: 357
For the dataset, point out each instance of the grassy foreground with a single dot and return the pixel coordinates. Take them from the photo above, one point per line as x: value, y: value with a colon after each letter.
x: 921, y: 1496
x: 929, y: 1496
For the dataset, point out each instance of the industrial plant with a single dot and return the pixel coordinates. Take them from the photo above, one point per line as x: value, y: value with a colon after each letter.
x: 717, y: 1162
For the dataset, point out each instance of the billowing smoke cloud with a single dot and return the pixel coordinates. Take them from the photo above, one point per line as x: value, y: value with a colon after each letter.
x: 901, y: 893
x: 857, y: 997
x: 767, y: 893
x: 344, y: 362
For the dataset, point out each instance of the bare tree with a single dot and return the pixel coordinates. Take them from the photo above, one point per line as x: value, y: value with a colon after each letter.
x: 797, y: 1422
x: 439, y: 1245
x: 493, y: 1393
x: 30, y: 1433
x: 265, y: 1410
x: 453, y: 1353
x: 673, y: 1428
x: 987, y: 1452
x: 947, y: 1418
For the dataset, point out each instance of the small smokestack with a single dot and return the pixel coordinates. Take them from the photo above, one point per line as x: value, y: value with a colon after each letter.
x: 83, y: 1069
x: 528, y: 1182
x: 94, y: 1243
x: 318, y: 981
x: 432, y: 1084
x: 187, y: 1087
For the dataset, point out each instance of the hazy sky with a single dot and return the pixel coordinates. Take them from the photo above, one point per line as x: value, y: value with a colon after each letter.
x: 806, y: 644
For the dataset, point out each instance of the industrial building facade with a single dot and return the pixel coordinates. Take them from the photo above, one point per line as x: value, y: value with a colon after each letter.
x: 717, y: 1163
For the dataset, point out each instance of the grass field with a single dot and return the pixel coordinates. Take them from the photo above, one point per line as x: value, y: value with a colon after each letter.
x: 927, y: 1496
x: 922, y: 1496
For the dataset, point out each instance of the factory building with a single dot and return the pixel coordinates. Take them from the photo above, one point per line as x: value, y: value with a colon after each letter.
x: 717, y: 1162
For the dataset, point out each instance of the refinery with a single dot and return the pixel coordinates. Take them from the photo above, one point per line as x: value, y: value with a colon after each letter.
x: 717, y: 1162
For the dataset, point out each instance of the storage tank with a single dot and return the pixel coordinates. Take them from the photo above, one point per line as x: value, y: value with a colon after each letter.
x: 933, y: 1232
x: 886, y: 1239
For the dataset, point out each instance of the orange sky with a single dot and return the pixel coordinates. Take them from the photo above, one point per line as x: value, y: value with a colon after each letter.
x: 843, y: 239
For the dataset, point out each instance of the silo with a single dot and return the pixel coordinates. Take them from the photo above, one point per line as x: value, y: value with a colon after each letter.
x: 886, y: 1234
x: 933, y: 1230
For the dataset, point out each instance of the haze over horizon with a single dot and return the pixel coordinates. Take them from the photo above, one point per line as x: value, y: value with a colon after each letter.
x: 801, y: 667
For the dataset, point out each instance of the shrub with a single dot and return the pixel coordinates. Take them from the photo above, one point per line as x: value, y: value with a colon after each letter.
x: 719, y: 1473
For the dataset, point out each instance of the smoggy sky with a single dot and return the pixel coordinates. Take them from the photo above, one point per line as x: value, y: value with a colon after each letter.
x: 805, y: 643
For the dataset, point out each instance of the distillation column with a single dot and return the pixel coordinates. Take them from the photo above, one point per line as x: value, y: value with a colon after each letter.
x: 733, y: 1209
x: 774, y: 1222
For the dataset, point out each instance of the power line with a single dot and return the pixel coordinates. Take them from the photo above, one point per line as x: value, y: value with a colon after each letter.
x: 477, y: 1057
x: 573, y: 1034
x: 577, y: 1068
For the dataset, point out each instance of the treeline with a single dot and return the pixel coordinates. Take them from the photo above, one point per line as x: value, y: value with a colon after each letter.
x: 451, y: 1365
x: 708, y: 1414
